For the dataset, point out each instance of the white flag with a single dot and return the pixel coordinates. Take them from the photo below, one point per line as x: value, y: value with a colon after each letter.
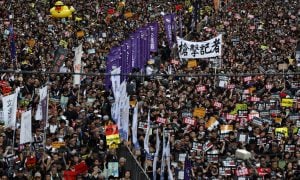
x: 146, y: 140
x: 156, y: 154
x: 125, y: 119
x: 10, y: 109
x: 25, y: 134
x: 77, y: 65
x: 134, y: 127
x: 43, y: 95
x: 163, y: 158
x: 115, y: 80
x: 168, y: 154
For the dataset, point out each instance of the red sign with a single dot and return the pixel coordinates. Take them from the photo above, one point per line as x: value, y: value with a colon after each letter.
x: 254, y: 99
x: 111, y: 130
x: 201, y: 88
x: 217, y: 104
x: 242, y: 171
x: 189, y: 120
x: 263, y: 171
x: 230, y: 117
x: 161, y: 120
x: 247, y: 79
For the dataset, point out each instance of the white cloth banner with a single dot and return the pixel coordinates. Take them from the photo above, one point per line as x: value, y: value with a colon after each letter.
x: 198, y: 50
x: 163, y: 158
x: 156, y: 154
x: 146, y: 140
x: 77, y: 65
x: 115, y: 80
x: 39, y: 112
x: 168, y: 158
x: 125, y: 119
x: 135, y: 126
x: 10, y: 109
x: 25, y: 134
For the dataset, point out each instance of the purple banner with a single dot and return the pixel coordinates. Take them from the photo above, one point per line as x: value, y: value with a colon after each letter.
x: 153, y: 36
x: 113, y: 60
x: 134, y: 49
x: 128, y: 55
x: 123, y: 60
x: 169, y: 21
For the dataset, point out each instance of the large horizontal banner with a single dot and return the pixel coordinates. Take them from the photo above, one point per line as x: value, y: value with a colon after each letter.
x: 197, y: 50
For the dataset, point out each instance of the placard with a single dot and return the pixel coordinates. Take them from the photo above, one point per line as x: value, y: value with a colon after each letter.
x: 199, y: 112
x: 58, y: 144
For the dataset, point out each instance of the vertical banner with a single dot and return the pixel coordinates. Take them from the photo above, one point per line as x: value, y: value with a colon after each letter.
x: 123, y: 59
x: 41, y: 112
x: 12, y: 43
x: 77, y: 65
x: 153, y: 36
x: 115, y: 80
x: 163, y: 158
x: 26, y: 134
x: 157, y: 147
x: 128, y: 58
x: 146, y: 140
x: 113, y: 61
x: 168, y: 158
x: 10, y: 109
x: 134, y: 127
x: 168, y: 24
x: 125, y: 118
x: 134, y: 49
x: 187, y: 168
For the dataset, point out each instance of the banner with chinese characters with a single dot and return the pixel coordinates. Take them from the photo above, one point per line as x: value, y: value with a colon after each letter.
x: 198, y: 50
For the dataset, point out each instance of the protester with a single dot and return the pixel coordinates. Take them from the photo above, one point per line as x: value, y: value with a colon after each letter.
x: 258, y: 37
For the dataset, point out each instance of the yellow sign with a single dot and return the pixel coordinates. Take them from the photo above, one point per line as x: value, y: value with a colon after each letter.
x: 226, y: 128
x: 285, y: 102
x: 211, y: 122
x: 192, y: 63
x: 282, y: 130
x: 57, y: 144
x: 199, y: 112
x: 239, y: 107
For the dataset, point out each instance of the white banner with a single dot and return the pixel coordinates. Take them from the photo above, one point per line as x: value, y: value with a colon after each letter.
x: 39, y: 112
x: 77, y: 65
x: 115, y: 80
x: 134, y: 127
x: 25, y: 134
x: 10, y: 109
x: 198, y: 50
x: 168, y: 158
x: 156, y: 154
x: 125, y: 118
x: 163, y: 157
x: 146, y: 140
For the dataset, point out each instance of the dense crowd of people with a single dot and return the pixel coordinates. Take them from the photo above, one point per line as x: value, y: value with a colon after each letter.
x: 258, y: 37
